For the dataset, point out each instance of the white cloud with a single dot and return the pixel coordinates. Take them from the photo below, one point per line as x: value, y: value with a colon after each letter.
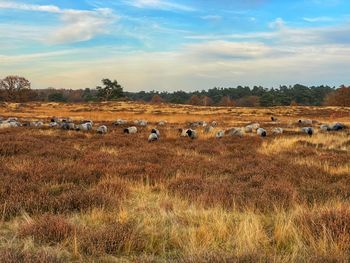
x: 318, y: 19
x: 159, y: 4
x: 28, y: 7
x: 212, y: 17
x: 77, y: 25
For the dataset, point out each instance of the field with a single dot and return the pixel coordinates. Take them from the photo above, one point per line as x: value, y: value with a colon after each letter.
x: 83, y: 197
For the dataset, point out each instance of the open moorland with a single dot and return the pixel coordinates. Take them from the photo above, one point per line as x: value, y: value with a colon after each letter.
x: 73, y: 196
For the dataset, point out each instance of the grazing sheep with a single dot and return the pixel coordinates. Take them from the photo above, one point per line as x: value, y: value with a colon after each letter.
x: 274, y: 119
x: 235, y: 132
x: 252, y: 127
x: 10, y: 123
x: 53, y: 124
x: 220, y: 134
x: 84, y: 127
x: 208, y: 129
x: 308, y: 130
x: 261, y: 132
x: 36, y: 124
x: 12, y: 119
x: 68, y: 126
x: 182, y: 132
x: 325, y: 127
x: 192, y: 133
x: 130, y: 130
x: 156, y: 131
x: 277, y: 131
x: 54, y: 119
x: 140, y: 122
x: 162, y: 123
x: 305, y: 122
x: 120, y: 122
x: 337, y: 126
x: 154, y: 136
x: 102, y: 129
x: 195, y: 124
x: 214, y: 123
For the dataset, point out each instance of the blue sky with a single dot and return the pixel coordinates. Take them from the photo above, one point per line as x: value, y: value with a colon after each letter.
x: 175, y: 44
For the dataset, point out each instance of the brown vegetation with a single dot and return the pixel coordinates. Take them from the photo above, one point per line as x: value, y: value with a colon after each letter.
x: 83, y: 197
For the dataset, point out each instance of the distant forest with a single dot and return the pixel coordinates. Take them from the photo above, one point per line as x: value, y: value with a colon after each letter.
x: 17, y: 89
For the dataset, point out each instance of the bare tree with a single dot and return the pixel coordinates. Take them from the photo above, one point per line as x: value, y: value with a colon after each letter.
x: 16, y: 89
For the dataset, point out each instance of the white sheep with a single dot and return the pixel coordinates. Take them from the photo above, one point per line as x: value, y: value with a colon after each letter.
x: 154, y: 136
x: 252, y: 127
x: 130, y: 130
x: 308, y: 130
x: 102, y: 129
x: 120, y: 122
x: 235, y: 132
x: 305, y: 122
x: 208, y: 129
x: 277, y: 130
x: 220, y: 134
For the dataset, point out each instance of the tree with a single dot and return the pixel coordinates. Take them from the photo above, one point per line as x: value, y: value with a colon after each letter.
x: 88, y: 95
x: 194, y: 100
x: 248, y: 101
x: 206, y: 101
x: 156, y: 99
x: 112, y: 90
x: 16, y: 89
x: 57, y: 97
x: 340, y: 97
x: 226, y: 101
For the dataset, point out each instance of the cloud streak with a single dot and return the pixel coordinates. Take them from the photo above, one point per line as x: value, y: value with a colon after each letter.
x: 75, y: 26
x: 160, y: 4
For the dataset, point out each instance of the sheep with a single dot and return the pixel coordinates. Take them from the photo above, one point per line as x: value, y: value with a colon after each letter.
x: 214, y: 123
x: 308, y: 130
x: 261, y: 132
x: 53, y: 124
x: 182, y: 132
x: 277, y: 131
x: 337, y: 126
x: 11, y: 122
x: 208, y: 129
x: 305, y: 122
x: 36, y: 124
x: 54, y: 119
x: 234, y: 132
x: 325, y: 127
x: 84, y: 127
x: 192, y: 133
x: 252, y: 127
x: 156, y: 131
x: 220, y: 134
x: 154, y: 136
x: 12, y: 119
x: 68, y: 126
x: 162, y: 123
x: 130, y: 130
x: 140, y: 122
x: 102, y: 129
x: 195, y: 124
x: 274, y: 119
x: 120, y: 122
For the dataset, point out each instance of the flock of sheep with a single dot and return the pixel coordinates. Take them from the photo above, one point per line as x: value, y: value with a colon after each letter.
x: 87, y: 125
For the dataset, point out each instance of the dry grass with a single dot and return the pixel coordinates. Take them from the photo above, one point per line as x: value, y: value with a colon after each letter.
x: 82, y: 197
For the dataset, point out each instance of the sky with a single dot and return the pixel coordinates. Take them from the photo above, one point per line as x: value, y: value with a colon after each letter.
x: 169, y: 45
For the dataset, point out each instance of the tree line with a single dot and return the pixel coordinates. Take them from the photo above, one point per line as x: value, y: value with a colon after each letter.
x: 18, y: 89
